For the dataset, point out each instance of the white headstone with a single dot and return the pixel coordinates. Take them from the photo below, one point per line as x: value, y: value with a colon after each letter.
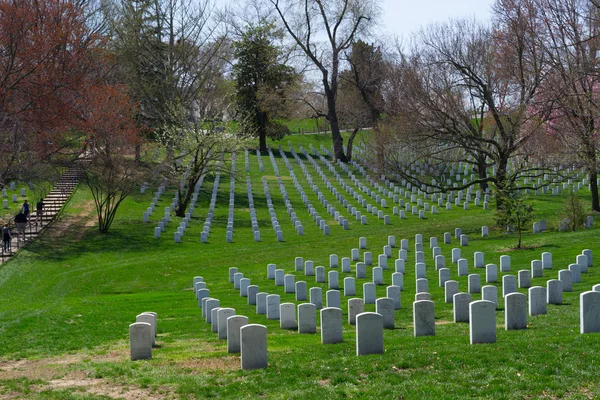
x: 253, y: 346
x: 369, y: 333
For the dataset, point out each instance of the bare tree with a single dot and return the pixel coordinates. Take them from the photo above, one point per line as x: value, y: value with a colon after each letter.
x: 572, y: 42
x: 339, y: 23
x: 471, y: 95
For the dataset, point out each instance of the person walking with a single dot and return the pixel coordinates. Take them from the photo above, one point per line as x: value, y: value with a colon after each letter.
x: 26, y: 209
x: 39, y: 211
x: 21, y: 222
x: 6, y: 238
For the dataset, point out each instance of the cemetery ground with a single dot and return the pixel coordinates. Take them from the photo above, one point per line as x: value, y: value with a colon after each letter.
x: 66, y: 302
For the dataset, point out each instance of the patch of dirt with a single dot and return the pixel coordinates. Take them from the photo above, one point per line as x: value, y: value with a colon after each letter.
x: 274, y: 178
x: 102, y: 387
x: 85, y: 217
x: 531, y: 247
x: 221, y: 363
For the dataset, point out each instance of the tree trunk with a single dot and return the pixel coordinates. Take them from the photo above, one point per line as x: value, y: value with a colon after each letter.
x: 262, y: 131
x: 350, y: 143
x: 594, y: 187
x: 336, y: 136
x: 482, y: 170
x: 501, y: 180
x: 138, y: 152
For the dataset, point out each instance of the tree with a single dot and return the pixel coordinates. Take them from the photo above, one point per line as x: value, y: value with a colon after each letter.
x: 47, y: 54
x: 572, y: 42
x: 472, y: 95
x: 340, y: 22
x: 173, y: 58
x: 262, y: 82
x: 573, y: 211
x: 107, y: 118
x: 361, y: 99
x: 515, y: 212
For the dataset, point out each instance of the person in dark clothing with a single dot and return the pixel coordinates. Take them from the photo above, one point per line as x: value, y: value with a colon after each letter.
x: 6, y: 238
x: 26, y: 209
x: 21, y: 222
x: 39, y: 211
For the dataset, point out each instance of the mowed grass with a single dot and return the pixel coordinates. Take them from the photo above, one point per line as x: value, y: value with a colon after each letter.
x: 67, y: 300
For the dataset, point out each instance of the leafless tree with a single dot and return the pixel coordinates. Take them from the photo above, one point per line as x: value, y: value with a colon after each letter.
x: 322, y: 31
x: 572, y: 42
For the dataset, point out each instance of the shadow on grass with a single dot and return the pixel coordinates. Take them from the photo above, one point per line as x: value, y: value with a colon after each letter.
x: 69, y: 238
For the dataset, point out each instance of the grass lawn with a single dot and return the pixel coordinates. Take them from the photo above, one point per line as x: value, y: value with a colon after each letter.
x: 67, y: 300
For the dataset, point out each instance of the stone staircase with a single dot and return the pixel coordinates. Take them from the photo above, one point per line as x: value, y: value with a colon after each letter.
x: 53, y: 203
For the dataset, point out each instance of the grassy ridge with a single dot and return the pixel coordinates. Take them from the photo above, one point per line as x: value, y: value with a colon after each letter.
x: 74, y: 292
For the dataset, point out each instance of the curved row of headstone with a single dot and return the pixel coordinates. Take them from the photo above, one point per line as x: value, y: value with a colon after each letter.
x: 213, y: 200
x: 253, y: 218
x: 363, y: 202
x: 291, y: 212
x: 272, y: 213
x: 303, y: 196
x: 260, y: 163
x: 250, y: 340
x: 343, y: 221
x: 230, y: 216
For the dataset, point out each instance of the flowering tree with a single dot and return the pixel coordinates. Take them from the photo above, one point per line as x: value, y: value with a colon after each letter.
x: 45, y: 60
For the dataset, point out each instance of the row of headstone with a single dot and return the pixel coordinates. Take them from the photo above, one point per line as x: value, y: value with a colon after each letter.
x: 250, y: 340
x: 213, y: 201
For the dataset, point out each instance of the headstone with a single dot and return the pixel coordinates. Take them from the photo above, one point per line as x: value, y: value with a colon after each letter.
x: 385, y: 307
x: 509, y: 284
x: 554, y: 291
x: 537, y: 300
x: 253, y: 346
x: 566, y: 278
x: 333, y: 280
x: 444, y: 276
x: 482, y: 325
x: 271, y: 271
x: 300, y: 290
x: 355, y: 307
x: 440, y: 262
x: 398, y: 280
x: 424, y: 318
x: 524, y: 278
x: 332, y: 298
x: 515, y: 311
x: 362, y: 243
x: 369, y: 290
x: 346, y: 267
x: 461, y: 307
x: 536, y: 268
x: 451, y: 288
x: 361, y: 271
x: 474, y: 284
x: 316, y: 297
x: 478, y: 259
x: 207, y: 309
x: 140, y: 341
x: 455, y: 255
x: 589, y: 311
x: 320, y: 274
x: 422, y: 285
x: 420, y: 270
x: 234, y: 324
x: 582, y: 261
x: 273, y: 302
x: 309, y: 268
x: 307, y: 318
x: 287, y: 316
x: 504, y: 263
x: 575, y: 272
x: 490, y: 293
x: 491, y: 273
x: 369, y: 333
x: 349, y: 286
x: 252, y: 292
x: 222, y: 315
x: 588, y: 254
x: 214, y: 321
x: 464, y: 240
x: 547, y: 260
x: 463, y: 267
x: 331, y: 325
x: 279, y: 277
x: 368, y: 258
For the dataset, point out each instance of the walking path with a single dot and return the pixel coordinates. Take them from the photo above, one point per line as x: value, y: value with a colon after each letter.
x: 53, y: 203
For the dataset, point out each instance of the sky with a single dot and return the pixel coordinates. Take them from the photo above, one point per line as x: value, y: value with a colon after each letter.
x: 403, y: 17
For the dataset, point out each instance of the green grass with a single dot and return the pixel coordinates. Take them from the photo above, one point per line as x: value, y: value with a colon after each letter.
x: 67, y: 300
